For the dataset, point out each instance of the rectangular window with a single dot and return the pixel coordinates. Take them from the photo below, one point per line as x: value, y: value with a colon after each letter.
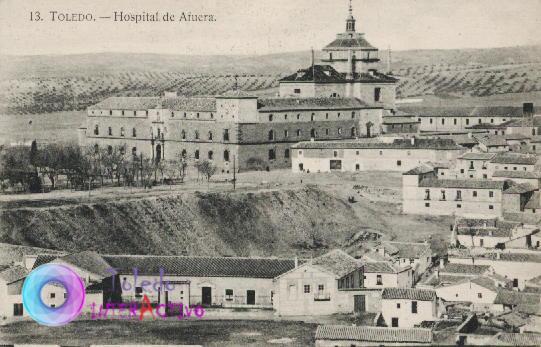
x: 53, y: 295
x: 480, y: 295
x: 17, y: 309
x: 490, y: 207
x: 414, y: 307
x: 474, y: 193
x: 397, y: 305
x: 467, y: 121
x: 321, y: 287
x: 458, y: 195
x: 458, y: 206
x: 427, y: 204
x: 454, y: 121
x: 379, y: 280
x: 138, y: 291
x: 490, y: 194
x: 229, y: 294
x: 394, y: 322
x: 297, y: 91
x: 306, y: 288
x: 399, y: 163
x: 377, y: 94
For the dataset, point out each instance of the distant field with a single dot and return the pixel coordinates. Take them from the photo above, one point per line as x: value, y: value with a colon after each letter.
x: 56, y: 126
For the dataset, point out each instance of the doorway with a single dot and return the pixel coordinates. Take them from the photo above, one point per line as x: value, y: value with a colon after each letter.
x: 206, y: 296
x: 158, y: 153
x: 359, y: 303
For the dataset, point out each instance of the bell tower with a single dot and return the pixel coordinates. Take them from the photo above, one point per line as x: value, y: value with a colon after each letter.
x: 350, y: 21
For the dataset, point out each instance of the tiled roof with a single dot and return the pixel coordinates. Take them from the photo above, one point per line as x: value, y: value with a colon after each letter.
x: 89, y: 261
x: 517, y: 174
x: 13, y: 274
x: 517, y: 257
x: 337, y: 262
x: 487, y: 126
x: 491, y: 140
x: 189, y: 104
x: 465, y: 269
x: 380, y: 267
x: 419, y: 170
x: 503, y: 111
x: 423, y: 111
x: 514, y: 158
x: 202, y: 266
x: 408, y: 294
x: 511, y: 297
x: 136, y: 103
x: 516, y: 339
x: 406, y: 249
x: 435, y: 144
x: 43, y: 259
x: 485, y: 232
x: 373, y: 334
x: 524, y: 122
x: 478, y: 156
x: 327, y: 74
x: 534, y: 201
x: 344, y: 42
x: 464, y: 183
x: 485, y: 282
x: 292, y: 104
x: 237, y: 94
x: 518, y: 188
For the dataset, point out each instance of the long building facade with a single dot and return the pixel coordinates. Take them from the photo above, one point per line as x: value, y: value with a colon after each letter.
x: 334, y: 101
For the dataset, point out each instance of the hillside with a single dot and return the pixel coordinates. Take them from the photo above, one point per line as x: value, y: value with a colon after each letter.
x: 39, y: 84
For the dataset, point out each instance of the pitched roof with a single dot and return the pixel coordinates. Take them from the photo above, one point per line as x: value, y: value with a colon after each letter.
x: 327, y: 74
x: 517, y: 174
x: 337, y: 262
x: 373, y: 334
x: 485, y: 282
x: 89, y: 261
x: 406, y: 249
x: 518, y: 188
x: 456, y: 268
x: 514, y: 158
x: 399, y: 120
x: 516, y: 257
x: 434, y: 144
x: 502, y: 111
x: 462, y: 183
x: 127, y: 103
x: 511, y: 297
x: 43, y: 259
x: 297, y: 104
x: 408, y: 294
x: 534, y: 201
x: 516, y: 339
x: 419, y: 170
x: 13, y: 273
x: 236, y: 94
x: 381, y: 267
x: 477, y: 156
x: 491, y: 140
x: 201, y: 266
x: 201, y: 104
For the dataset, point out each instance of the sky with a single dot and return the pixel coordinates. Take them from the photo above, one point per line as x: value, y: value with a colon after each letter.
x: 265, y: 26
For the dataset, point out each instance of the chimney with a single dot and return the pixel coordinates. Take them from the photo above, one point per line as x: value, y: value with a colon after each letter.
x: 442, y: 263
x: 527, y: 109
x: 296, y: 262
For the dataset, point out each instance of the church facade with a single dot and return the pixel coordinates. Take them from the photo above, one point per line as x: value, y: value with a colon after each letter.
x: 340, y: 98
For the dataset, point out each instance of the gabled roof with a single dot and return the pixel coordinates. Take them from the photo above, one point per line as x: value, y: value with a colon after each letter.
x: 485, y: 282
x: 519, y: 188
x: 408, y: 294
x: 201, y: 266
x: 298, y: 104
x: 373, y: 334
x: 419, y: 170
x: 517, y: 174
x: 336, y: 262
x: 491, y: 140
x: 201, y: 104
x: 382, y: 267
x: 477, y: 156
x: 136, y: 103
x: 407, y: 250
x: 399, y: 120
x: 432, y: 144
x: 514, y: 158
x: 89, y: 261
x: 514, y: 298
x: 13, y: 274
x: 456, y: 268
x: 236, y: 94
x: 43, y: 259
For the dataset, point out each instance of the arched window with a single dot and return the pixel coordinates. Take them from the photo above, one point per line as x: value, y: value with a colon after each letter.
x: 197, y: 134
x: 109, y: 149
x: 210, y: 155
x: 226, y: 155
x: 96, y: 130
x: 196, y: 155
x: 134, y: 151
x: 339, y: 131
x: 183, y: 153
x: 272, y: 154
x: 270, y: 117
x: 312, y: 117
x: 226, y: 134
x: 313, y: 133
x: 183, y: 134
x: 210, y: 135
x: 286, y: 153
x: 299, y: 132
x: 271, y: 135
x: 122, y: 150
x: 285, y: 116
x: 110, y: 131
x: 134, y: 132
x: 121, y: 131
x: 353, y: 132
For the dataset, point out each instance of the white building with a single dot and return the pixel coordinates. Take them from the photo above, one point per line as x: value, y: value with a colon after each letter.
x: 481, y: 291
x: 381, y: 274
x: 403, y: 254
x: 375, y: 155
x: 407, y: 307
x: 347, y: 336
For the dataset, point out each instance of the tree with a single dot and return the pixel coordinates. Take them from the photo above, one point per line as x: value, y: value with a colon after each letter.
x: 206, y: 168
x: 181, y: 165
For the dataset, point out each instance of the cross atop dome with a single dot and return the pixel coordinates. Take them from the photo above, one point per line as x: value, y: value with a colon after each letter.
x: 350, y: 21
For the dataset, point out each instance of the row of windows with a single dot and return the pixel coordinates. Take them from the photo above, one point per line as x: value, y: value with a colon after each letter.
x: 312, y: 116
x: 413, y: 306
x: 124, y: 113
x: 210, y: 136
x: 443, y: 195
x: 490, y: 207
x: 308, y: 289
x: 313, y: 133
x: 110, y: 131
x: 455, y: 121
